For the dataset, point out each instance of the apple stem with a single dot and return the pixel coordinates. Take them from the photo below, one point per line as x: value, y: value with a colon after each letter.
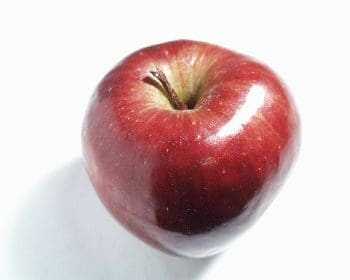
x: 174, y: 98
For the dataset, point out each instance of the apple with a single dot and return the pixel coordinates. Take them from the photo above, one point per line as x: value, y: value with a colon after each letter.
x: 187, y: 143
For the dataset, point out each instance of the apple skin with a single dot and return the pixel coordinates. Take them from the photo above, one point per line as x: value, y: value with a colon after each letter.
x: 188, y: 181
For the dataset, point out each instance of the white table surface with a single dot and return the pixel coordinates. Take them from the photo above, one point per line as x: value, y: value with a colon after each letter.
x: 52, y: 55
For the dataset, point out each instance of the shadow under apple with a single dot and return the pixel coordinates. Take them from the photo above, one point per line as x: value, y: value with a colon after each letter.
x: 64, y: 232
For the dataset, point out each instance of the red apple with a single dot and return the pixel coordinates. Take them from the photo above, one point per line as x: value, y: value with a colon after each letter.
x: 187, y: 143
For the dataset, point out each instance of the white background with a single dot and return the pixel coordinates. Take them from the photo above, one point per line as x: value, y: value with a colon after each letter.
x: 52, y: 55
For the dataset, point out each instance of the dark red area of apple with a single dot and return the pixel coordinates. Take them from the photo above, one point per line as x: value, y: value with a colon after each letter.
x: 188, y: 181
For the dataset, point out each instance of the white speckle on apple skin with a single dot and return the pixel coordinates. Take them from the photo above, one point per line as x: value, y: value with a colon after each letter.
x: 208, y: 161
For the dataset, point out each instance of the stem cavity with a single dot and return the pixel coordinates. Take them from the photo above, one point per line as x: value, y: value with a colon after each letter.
x: 174, y: 98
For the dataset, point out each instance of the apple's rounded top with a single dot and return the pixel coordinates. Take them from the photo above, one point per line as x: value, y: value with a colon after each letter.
x: 193, y: 70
